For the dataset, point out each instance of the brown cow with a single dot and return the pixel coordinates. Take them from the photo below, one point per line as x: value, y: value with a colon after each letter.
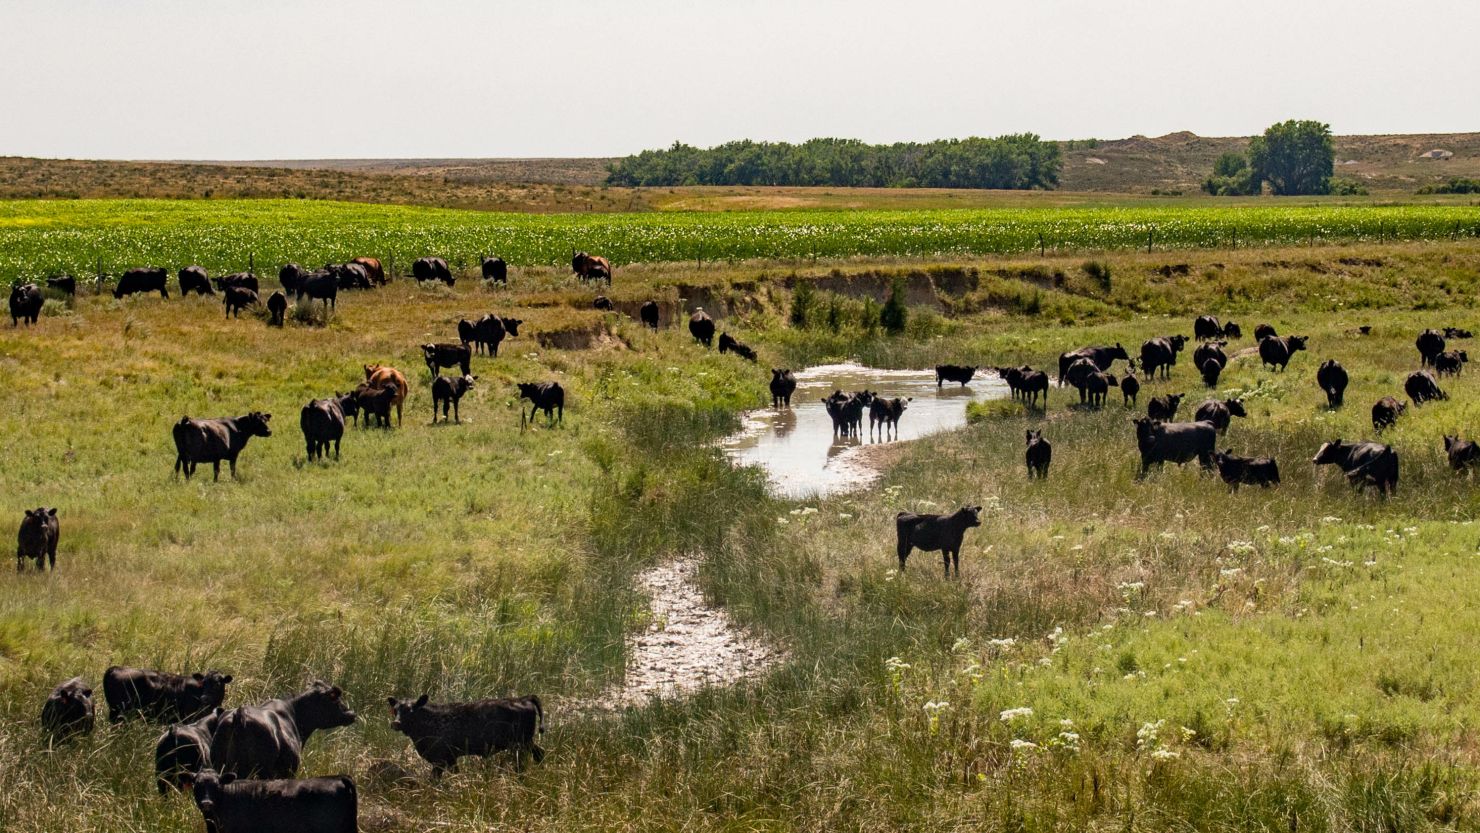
x: 382, y: 376
x: 373, y: 269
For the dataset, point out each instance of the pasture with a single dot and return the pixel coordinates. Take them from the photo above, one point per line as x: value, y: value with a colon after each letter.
x: 1118, y: 653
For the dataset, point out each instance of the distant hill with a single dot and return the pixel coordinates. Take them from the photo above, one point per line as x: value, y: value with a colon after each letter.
x: 571, y: 171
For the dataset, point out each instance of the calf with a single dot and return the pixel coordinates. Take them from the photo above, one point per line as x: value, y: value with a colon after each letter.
x: 290, y: 276
x: 321, y: 285
x: 68, y: 711
x: 1078, y: 375
x: 491, y: 330
x: 1165, y: 408
x: 1365, y: 464
x: 213, y: 440
x: 442, y: 733
x: 160, y: 696
x: 194, y: 279
x: 304, y: 805
x: 1264, y: 331
x: 1174, y: 442
x: 885, y: 413
x: 267, y: 741
x: 701, y: 327
x: 953, y: 373
x: 1386, y: 412
x: 1332, y: 378
x: 1097, y: 387
x: 1031, y: 384
x: 1421, y: 387
x: 432, y: 269
x: 1220, y: 413
x: 38, y: 538
x: 322, y: 422
x: 1161, y: 354
x: 66, y: 284
x: 238, y: 298
x: 382, y: 376
x: 240, y: 280
x: 783, y: 385
x: 603, y: 303
x: 1456, y: 332
x: 1130, y: 388
x: 1038, y: 455
x: 648, y: 314
x: 929, y: 533
x: 846, y: 411
x: 25, y: 303
x: 1252, y: 471
x: 494, y: 269
x: 1450, y: 362
x: 142, y: 280
x: 445, y: 354
x: 545, y: 396
x: 1102, y: 357
x: 1462, y: 453
x: 1430, y: 343
x: 183, y: 750
x: 1210, y: 370
x: 1209, y: 350
x: 277, y: 307
x: 1276, y: 351
x: 728, y: 344
x: 1232, y: 330
x: 449, y: 391
x: 375, y: 402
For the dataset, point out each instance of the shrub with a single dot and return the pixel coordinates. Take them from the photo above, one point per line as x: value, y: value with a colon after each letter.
x: 1455, y: 185
x: 1343, y: 187
x: 803, y: 298
x: 869, y: 319
x: 311, y: 313
x: 1099, y: 272
x: 834, y: 312
x: 894, y: 316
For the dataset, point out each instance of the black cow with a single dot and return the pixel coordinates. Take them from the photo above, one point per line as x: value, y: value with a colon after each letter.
x: 1038, y: 455
x: 1264, y: 331
x: 161, y: 696
x: 267, y: 741
x: 590, y: 267
x: 321, y: 285
x: 885, y: 413
x: 1430, y: 343
x: 445, y: 354
x: 1220, y: 413
x: 1161, y: 354
x: 183, y: 750
x: 929, y: 533
x: 143, y: 280
x: 1174, y: 442
x: 1386, y: 412
x: 1209, y: 350
x: 65, y: 284
x: 213, y: 440
x: 648, y: 313
x: 194, y: 279
x: 701, y: 327
x: 545, y: 396
x: 450, y: 391
x: 783, y: 385
x: 1232, y: 330
x: 954, y: 373
x: 302, y: 805
x: 1332, y: 378
x: 1210, y: 370
x: 375, y: 401
x: 1456, y: 332
x: 1365, y: 464
x: 68, y: 711
x: 1097, y: 387
x: 1450, y: 362
x: 1206, y: 328
x: 1251, y: 471
x: 350, y: 275
x: 603, y: 303
x: 442, y: 733
x: 38, y: 538
x: 494, y: 269
x: 25, y: 303
x: 432, y: 269
x: 277, y: 307
x: 322, y: 422
x: 1462, y: 453
x: 291, y: 276
x: 1421, y: 387
x: 238, y: 298
x: 485, y: 335
x: 1130, y: 388
x: 1102, y: 357
x: 846, y: 411
x: 240, y: 280
x: 1164, y: 408
x: 728, y: 344
x: 1276, y: 351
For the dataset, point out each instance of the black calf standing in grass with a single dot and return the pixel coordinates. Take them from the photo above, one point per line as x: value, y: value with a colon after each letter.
x: 1038, y: 455
x: 1421, y: 387
x: 38, y: 538
x: 1365, y: 464
x: 1462, y: 453
x: 449, y: 391
x: 1430, y: 344
x: 277, y: 306
x: 444, y: 732
x: 237, y: 298
x: 1386, y: 412
x: 25, y: 304
x: 1450, y: 362
x: 297, y: 805
x: 161, y: 696
x: 68, y: 711
x: 183, y: 750
x: 728, y: 344
x: 1276, y: 351
x: 648, y: 313
x: 1164, y: 408
x: 1252, y: 471
x: 701, y: 327
x: 1130, y: 387
x: 929, y: 533
x: 1332, y: 378
x: 544, y: 396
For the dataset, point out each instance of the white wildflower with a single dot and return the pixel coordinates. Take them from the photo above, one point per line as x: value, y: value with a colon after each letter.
x: 961, y: 644
x: 1010, y: 715
x: 1020, y: 745
x: 1166, y: 754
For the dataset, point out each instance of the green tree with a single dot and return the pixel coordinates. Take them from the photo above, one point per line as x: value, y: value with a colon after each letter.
x: 1294, y: 157
x: 895, y: 315
x: 803, y: 299
x: 1230, y: 164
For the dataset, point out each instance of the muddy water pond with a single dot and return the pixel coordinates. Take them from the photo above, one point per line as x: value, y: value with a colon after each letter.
x: 797, y: 448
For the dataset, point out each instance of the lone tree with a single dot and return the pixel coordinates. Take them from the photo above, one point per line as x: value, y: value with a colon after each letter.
x: 1231, y: 177
x: 1294, y: 157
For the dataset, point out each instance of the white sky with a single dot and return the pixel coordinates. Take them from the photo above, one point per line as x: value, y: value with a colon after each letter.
x: 273, y: 79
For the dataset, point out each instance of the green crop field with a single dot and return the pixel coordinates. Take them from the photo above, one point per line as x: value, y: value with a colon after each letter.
x: 45, y: 237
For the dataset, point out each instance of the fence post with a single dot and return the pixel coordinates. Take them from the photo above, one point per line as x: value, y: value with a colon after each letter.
x: 1149, y: 233
x: 1235, y: 238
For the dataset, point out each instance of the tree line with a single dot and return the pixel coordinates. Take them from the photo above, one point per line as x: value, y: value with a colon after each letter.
x: 1019, y: 161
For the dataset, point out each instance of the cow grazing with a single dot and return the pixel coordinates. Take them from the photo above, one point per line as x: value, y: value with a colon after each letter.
x: 701, y: 327
x: 885, y: 413
x: 373, y: 269
x: 1430, y: 343
x: 648, y: 313
x: 1264, y: 331
x: 1386, y: 412
x: 960, y: 374
x: 1365, y: 464
x: 444, y: 354
x: 304, y: 805
x: 590, y: 268
x: 143, y: 280
x: 1450, y: 362
x: 1276, y: 351
x: 375, y: 402
x: 25, y: 303
x: 1164, y: 408
x: 322, y: 421
x: 603, y: 303
x: 194, y: 279
x: 931, y: 533
x: 1246, y: 471
x: 349, y: 275
x: 449, y: 391
x: 1038, y: 455
x: 783, y: 385
x: 213, y: 440
x: 1220, y: 413
x: 320, y: 286
x: 183, y: 750
x: 38, y: 538
x: 382, y: 376
x: 65, y: 284
x: 290, y: 276
x: 160, y: 696
x: 1103, y: 358
x: 267, y: 741
x: 68, y: 711
x: 442, y: 733
x: 1206, y: 328
x: 1161, y: 354
x: 432, y: 269
x: 494, y: 269
x: 238, y: 298
x: 1331, y: 376
x: 1232, y: 330
x: 728, y: 344
x: 544, y: 396
x: 277, y: 307
x: 1421, y: 387
x: 1130, y: 388
x: 1174, y: 442
x: 1462, y: 454
x: 240, y: 280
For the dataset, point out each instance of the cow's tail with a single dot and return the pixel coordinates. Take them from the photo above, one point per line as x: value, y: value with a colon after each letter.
x: 539, y: 711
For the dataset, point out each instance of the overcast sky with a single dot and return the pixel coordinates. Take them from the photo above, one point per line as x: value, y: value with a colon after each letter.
x: 273, y: 79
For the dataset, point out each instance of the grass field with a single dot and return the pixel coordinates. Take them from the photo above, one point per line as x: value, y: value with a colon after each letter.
x: 1298, y: 658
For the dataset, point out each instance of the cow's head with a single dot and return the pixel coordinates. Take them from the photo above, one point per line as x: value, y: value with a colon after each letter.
x: 1236, y: 407
x: 403, y: 711
x: 1449, y: 443
x: 207, y: 786
x: 512, y: 325
x: 1118, y: 352
x: 255, y: 424
x: 1178, y: 342
x: 323, y: 707
x: 1298, y: 342
x: 212, y: 687
x: 971, y: 515
x: 1329, y: 452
